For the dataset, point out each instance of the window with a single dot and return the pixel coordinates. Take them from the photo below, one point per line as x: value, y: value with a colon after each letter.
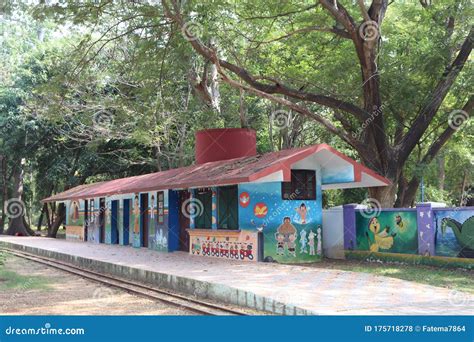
x: 203, y: 212
x: 301, y: 187
x: 227, y: 208
x: 161, y: 207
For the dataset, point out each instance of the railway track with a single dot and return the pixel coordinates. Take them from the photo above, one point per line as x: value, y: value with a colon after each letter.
x: 189, y: 303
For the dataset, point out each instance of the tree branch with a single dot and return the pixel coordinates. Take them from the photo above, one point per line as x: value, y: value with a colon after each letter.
x: 279, y: 15
x: 433, y: 150
x: 435, y: 100
x: 251, y: 80
x: 335, y: 30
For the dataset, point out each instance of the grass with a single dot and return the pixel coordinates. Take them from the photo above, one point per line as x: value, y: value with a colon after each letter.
x: 451, y: 278
x: 10, y: 279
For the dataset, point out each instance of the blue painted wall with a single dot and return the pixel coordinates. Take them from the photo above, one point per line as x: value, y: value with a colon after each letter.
x: 295, y: 240
x: 340, y: 175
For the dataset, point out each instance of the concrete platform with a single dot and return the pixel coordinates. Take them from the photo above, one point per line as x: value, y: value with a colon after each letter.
x: 280, y: 289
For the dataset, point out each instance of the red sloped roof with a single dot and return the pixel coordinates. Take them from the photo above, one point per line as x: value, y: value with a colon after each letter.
x: 224, y: 172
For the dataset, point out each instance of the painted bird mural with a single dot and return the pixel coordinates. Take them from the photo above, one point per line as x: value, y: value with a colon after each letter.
x: 464, y: 232
x: 382, y: 238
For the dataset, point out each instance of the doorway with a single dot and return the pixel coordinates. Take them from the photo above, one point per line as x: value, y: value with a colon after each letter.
x: 114, y: 239
x: 183, y: 220
x: 126, y: 222
x: 86, y: 218
x: 144, y: 219
x: 102, y: 220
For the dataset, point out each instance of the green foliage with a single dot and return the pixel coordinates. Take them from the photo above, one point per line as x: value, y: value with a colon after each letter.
x: 102, y: 90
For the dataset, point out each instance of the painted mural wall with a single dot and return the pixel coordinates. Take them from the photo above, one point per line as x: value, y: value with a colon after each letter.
x: 228, y: 245
x: 93, y: 227
x: 74, y: 220
x: 108, y: 220
x: 292, y: 228
x: 135, y: 221
x: 387, y: 231
x: 158, y: 221
x: 454, y: 233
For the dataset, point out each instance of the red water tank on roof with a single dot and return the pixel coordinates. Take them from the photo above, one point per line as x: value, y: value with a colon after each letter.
x: 225, y: 143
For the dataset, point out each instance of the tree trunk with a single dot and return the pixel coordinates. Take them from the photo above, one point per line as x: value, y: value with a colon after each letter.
x: 40, y: 219
x: 242, y: 109
x: 462, y: 201
x: 60, y: 216
x: 48, y: 218
x: 3, y: 170
x: 441, y: 172
x: 15, y: 208
x: 384, y: 195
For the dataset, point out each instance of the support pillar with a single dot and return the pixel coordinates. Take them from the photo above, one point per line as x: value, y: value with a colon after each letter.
x: 426, y: 229
x: 349, y: 221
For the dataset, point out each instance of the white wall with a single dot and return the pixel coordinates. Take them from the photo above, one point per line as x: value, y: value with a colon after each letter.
x: 333, y: 233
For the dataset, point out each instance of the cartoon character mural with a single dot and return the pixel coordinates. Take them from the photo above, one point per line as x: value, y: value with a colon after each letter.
x: 454, y: 233
x: 289, y: 225
x: 382, y: 238
x: 387, y: 231
x: 288, y: 231
x: 302, y: 212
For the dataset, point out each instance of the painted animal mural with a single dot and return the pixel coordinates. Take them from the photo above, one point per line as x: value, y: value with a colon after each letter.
x: 464, y: 232
x: 454, y: 233
x: 382, y: 239
x: 388, y: 231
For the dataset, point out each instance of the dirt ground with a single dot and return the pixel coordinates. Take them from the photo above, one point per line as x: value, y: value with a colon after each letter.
x: 29, y: 288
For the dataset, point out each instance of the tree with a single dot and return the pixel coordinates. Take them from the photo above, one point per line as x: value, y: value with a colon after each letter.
x: 381, y: 148
x: 382, y: 79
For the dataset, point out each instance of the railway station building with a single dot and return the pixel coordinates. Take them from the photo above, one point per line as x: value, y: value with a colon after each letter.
x: 232, y: 203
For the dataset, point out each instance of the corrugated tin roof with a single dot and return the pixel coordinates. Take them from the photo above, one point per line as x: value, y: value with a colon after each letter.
x: 224, y: 172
